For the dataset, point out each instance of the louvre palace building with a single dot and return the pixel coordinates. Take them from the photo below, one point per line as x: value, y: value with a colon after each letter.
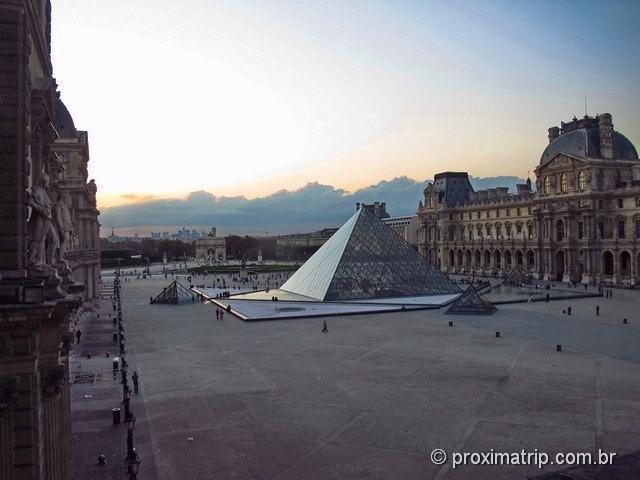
x: 581, y: 223
x: 49, y: 248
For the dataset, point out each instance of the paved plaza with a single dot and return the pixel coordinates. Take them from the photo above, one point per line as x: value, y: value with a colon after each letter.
x: 375, y: 395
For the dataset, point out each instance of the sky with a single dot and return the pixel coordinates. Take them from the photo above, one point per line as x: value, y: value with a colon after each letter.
x: 248, y: 98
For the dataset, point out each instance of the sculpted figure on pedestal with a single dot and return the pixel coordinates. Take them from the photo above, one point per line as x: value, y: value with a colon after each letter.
x: 64, y: 222
x: 44, y: 240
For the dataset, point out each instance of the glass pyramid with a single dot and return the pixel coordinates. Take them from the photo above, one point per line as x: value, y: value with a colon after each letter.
x: 365, y: 258
x: 517, y: 276
x: 174, y: 294
x: 472, y: 302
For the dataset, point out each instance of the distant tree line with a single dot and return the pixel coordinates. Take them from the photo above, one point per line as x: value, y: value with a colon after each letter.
x: 147, y: 250
x: 247, y: 247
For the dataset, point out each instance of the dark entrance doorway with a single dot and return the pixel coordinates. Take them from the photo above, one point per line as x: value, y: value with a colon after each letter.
x: 559, y: 266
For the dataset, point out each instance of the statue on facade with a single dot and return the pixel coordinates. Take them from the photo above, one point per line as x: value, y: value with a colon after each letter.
x: 92, y: 189
x: 64, y: 222
x: 44, y: 239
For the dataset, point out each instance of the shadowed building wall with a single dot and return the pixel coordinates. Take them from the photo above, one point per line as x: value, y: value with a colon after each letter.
x: 38, y: 295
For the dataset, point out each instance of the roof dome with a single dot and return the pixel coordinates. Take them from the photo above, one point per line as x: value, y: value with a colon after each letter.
x: 64, y: 122
x: 585, y: 142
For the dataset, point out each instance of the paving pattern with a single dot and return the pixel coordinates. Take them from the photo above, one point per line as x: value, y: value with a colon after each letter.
x: 375, y: 395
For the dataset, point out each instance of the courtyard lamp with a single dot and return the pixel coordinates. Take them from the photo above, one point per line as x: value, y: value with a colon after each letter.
x: 127, y: 399
x: 131, y: 425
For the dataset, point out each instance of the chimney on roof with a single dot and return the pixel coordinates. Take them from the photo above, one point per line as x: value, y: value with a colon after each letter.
x: 554, y: 132
x: 605, y: 126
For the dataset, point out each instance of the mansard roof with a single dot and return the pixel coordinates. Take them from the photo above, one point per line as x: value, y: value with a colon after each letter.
x: 581, y: 139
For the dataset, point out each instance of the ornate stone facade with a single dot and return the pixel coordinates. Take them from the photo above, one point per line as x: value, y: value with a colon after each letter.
x: 39, y: 250
x: 582, y: 223
x: 77, y: 212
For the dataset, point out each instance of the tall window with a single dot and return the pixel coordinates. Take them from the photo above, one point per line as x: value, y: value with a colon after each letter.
x: 559, y: 230
x: 616, y: 179
x: 638, y: 228
x: 621, y: 228
x: 547, y: 184
x: 580, y: 230
x: 620, y: 203
x: 582, y: 180
x: 563, y: 183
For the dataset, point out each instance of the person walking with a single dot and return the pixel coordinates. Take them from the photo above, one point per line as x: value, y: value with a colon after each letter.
x: 78, y: 335
x: 597, y: 309
x: 325, y: 329
x: 135, y: 378
x: 546, y: 298
x: 221, y: 314
x: 217, y: 314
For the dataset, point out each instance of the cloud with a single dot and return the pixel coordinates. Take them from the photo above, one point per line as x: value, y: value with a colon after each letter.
x: 134, y: 197
x: 311, y: 207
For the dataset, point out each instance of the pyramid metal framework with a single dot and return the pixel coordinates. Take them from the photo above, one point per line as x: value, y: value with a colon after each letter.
x: 472, y: 302
x: 174, y: 294
x: 365, y: 258
x: 517, y: 276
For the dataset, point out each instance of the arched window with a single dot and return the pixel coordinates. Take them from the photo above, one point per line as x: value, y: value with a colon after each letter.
x: 547, y: 184
x: 563, y: 182
x: 582, y: 180
x: 559, y: 230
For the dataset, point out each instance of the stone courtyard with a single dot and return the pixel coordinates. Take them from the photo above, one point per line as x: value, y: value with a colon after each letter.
x: 372, y: 398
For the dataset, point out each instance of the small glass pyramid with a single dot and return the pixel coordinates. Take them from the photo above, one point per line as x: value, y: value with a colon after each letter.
x: 174, y: 294
x: 517, y: 276
x: 472, y: 302
x: 365, y: 258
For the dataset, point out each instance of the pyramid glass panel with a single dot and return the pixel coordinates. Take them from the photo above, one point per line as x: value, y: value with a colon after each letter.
x: 517, y: 276
x: 174, y: 294
x: 367, y: 259
x: 472, y: 302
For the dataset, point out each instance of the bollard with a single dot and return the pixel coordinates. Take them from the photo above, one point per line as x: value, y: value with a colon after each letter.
x: 115, y: 412
x: 497, y: 334
x: 450, y: 323
x: 624, y: 320
x: 558, y: 348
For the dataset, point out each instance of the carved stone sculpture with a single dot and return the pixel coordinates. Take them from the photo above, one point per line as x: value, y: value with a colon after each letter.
x: 64, y: 222
x: 44, y: 236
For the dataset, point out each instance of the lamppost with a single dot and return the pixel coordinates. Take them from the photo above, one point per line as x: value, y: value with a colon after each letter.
x: 131, y: 425
x: 127, y: 399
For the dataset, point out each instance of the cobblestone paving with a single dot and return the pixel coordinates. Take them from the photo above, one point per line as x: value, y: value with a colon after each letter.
x: 372, y: 398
